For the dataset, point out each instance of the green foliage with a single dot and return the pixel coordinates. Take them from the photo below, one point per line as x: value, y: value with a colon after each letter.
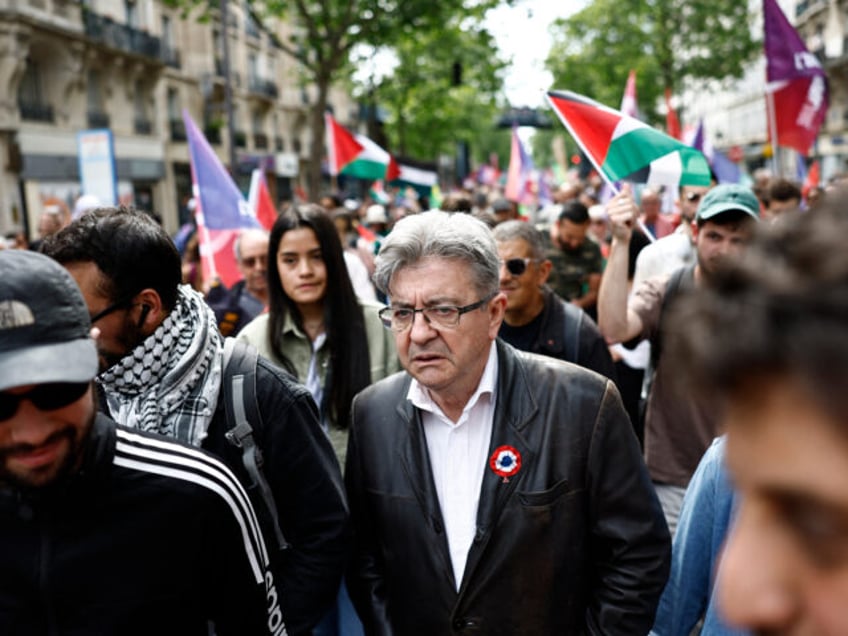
x: 428, y: 111
x: 667, y: 42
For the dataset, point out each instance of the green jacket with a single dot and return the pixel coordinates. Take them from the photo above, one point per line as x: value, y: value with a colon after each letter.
x: 297, y: 346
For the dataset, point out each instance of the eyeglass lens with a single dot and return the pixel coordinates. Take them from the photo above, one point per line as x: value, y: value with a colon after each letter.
x: 46, y: 397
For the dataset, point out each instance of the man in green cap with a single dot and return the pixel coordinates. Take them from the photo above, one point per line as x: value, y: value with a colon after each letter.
x: 678, y: 429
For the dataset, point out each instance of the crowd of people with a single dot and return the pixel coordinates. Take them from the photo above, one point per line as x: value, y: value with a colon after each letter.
x: 595, y: 416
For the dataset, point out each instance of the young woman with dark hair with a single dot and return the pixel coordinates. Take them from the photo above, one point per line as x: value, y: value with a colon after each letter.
x: 316, y: 328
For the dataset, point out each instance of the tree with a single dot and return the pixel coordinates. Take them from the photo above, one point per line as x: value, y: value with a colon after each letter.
x: 667, y: 42
x: 445, y: 88
x: 327, y: 31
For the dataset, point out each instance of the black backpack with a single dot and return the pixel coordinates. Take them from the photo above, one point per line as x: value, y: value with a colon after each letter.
x: 242, y: 408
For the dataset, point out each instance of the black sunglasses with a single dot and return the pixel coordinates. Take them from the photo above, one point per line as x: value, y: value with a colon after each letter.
x: 517, y: 266
x: 693, y: 197
x: 46, y: 397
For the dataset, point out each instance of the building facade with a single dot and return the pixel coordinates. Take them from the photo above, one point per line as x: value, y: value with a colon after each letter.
x: 131, y: 67
x: 735, y: 118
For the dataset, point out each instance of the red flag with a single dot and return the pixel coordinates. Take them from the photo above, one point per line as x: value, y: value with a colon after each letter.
x: 342, y: 147
x: 813, y: 179
x: 672, y: 124
x: 260, y: 201
x: 365, y: 233
x: 393, y: 169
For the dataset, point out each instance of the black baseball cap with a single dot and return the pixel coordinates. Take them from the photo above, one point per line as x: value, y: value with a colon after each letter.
x: 44, y: 323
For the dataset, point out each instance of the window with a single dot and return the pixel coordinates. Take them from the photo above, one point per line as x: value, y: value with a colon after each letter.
x: 30, y: 89
x: 131, y: 11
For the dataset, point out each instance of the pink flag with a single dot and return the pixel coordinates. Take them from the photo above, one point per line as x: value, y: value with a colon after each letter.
x: 628, y: 102
x: 518, y: 173
x: 797, y: 84
x: 672, y: 124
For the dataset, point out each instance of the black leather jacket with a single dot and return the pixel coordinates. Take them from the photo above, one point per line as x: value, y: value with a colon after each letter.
x: 568, y: 333
x: 574, y: 543
x: 145, y: 538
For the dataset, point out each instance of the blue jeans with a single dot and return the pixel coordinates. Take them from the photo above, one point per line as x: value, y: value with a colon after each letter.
x: 342, y: 619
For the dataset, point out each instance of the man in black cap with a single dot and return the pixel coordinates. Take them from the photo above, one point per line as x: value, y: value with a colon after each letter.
x: 89, y: 510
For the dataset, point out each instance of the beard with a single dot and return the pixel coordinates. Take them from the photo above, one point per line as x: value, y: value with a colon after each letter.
x: 128, y: 339
x: 76, y: 439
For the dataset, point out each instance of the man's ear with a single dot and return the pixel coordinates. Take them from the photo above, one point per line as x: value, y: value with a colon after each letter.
x: 151, y: 311
x: 545, y: 267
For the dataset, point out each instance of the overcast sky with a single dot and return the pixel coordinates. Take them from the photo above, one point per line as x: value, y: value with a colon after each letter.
x: 522, y: 34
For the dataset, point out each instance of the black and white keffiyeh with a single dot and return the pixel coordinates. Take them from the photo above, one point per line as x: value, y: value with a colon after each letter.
x: 169, y: 384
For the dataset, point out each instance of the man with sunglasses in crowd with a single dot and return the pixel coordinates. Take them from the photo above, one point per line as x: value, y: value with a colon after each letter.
x: 536, y: 319
x: 162, y: 370
x: 89, y: 510
x: 492, y: 490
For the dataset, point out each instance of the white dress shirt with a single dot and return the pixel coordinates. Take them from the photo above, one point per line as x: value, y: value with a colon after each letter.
x: 459, y: 456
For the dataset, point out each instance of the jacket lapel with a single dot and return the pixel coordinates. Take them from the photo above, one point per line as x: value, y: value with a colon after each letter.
x: 514, y: 408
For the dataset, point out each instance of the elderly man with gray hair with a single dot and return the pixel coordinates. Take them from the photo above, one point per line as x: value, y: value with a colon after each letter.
x: 492, y: 490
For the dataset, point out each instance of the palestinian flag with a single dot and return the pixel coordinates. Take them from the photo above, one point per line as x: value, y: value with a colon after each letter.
x: 356, y: 155
x: 623, y: 148
x: 342, y: 147
x: 419, y: 175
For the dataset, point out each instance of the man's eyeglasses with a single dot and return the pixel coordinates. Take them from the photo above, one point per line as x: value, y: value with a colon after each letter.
x: 124, y: 303
x: 693, y: 197
x: 252, y: 261
x: 46, y: 397
x: 445, y: 316
x: 517, y: 266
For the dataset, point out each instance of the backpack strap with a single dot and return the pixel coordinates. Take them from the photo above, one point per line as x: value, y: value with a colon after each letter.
x: 682, y: 278
x: 242, y: 407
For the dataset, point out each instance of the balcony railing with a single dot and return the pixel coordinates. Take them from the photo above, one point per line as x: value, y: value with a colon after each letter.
x: 171, y: 57
x: 178, y: 131
x: 279, y: 144
x: 260, y: 141
x: 120, y: 36
x: 142, y: 126
x: 240, y: 139
x: 263, y: 87
x: 98, y: 119
x: 36, y: 111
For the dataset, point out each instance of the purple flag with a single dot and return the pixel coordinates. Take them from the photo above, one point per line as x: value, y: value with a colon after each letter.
x: 221, y: 202
x: 796, y: 81
x: 723, y: 168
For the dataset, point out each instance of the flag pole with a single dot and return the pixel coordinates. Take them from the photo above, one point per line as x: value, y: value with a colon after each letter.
x: 772, y: 123
x: 611, y: 184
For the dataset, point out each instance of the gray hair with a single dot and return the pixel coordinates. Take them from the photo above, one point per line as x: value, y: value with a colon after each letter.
x: 247, y: 232
x: 457, y: 236
x: 522, y: 231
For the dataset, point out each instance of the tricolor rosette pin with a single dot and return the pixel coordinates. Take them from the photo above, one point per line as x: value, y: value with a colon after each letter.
x: 505, y: 462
